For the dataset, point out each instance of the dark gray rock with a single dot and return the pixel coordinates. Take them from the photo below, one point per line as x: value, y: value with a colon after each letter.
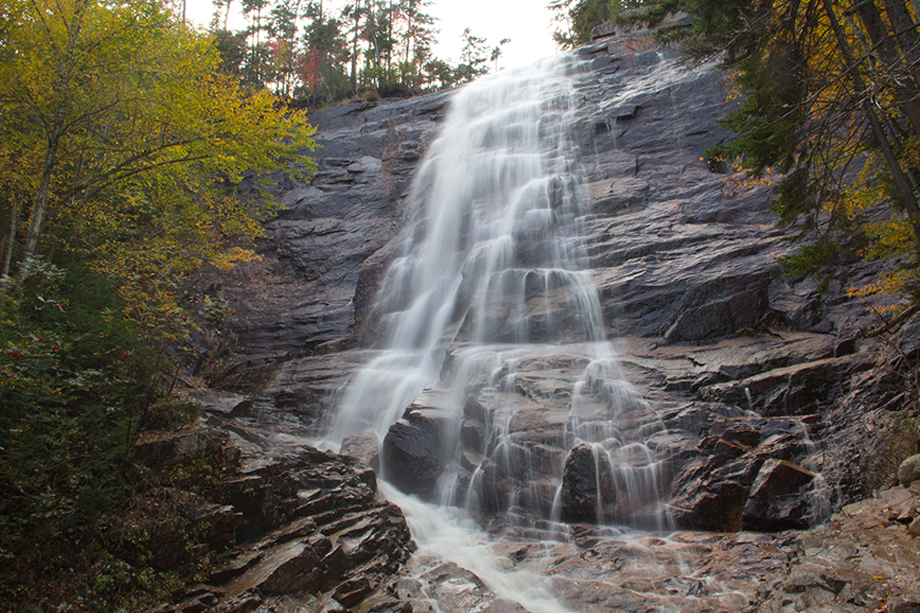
x: 753, y: 380
x: 779, y: 498
x: 580, y: 492
x: 718, y: 506
x: 413, y: 456
x: 365, y: 447
x: 910, y: 337
x: 909, y: 471
x: 723, y: 317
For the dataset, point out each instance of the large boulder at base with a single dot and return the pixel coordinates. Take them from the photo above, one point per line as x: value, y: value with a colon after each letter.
x: 412, y: 455
x: 779, y: 498
x: 719, y: 506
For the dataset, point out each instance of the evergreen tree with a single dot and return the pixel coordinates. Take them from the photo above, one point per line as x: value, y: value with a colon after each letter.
x: 473, y: 58
x: 831, y: 103
x: 579, y: 17
x: 322, y: 65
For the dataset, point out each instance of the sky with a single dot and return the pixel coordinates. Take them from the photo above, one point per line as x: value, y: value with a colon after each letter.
x: 528, y: 23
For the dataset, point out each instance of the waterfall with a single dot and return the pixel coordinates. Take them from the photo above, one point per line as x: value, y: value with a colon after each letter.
x: 494, y: 332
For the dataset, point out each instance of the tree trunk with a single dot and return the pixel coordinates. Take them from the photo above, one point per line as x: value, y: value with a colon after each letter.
x: 907, y: 95
x: 354, y: 50
x: 10, y: 236
x: 40, y: 201
x: 901, y: 181
x: 906, y: 33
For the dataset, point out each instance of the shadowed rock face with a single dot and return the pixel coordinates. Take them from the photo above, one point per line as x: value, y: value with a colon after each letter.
x: 305, y: 292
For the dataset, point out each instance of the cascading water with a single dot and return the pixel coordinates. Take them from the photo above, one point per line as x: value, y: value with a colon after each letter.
x: 494, y: 333
x: 490, y: 280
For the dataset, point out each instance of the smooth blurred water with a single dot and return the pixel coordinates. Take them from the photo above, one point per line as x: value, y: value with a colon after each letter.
x: 489, y: 286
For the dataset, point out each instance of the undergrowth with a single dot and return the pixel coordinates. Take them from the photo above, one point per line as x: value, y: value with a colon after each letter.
x: 78, y: 383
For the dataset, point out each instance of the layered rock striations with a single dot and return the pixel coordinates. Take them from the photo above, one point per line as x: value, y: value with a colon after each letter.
x: 769, y: 408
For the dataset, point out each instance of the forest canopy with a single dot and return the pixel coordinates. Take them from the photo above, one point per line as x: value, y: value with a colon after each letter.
x: 307, y: 51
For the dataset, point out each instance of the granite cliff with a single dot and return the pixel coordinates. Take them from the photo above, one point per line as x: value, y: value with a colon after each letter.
x: 775, y: 402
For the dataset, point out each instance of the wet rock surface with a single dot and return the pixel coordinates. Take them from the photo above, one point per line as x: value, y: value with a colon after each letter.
x: 291, y: 522
x: 770, y: 408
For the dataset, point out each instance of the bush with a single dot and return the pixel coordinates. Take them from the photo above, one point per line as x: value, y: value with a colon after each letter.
x: 73, y: 387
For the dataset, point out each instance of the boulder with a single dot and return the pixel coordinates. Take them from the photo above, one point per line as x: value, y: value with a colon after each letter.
x: 588, y: 493
x: 364, y: 447
x: 160, y: 449
x: 779, y: 498
x: 909, y: 470
x: 717, y: 506
x: 910, y: 337
x: 412, y: 455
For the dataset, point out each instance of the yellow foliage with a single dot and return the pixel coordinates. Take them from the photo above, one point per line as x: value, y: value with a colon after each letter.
x: 126, y: 146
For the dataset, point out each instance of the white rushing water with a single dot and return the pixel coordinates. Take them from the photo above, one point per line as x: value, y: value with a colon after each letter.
x: 501, y: 175
x: 488, y: 301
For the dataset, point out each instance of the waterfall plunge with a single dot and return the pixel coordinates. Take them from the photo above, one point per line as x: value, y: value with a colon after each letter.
x: 494, y: 329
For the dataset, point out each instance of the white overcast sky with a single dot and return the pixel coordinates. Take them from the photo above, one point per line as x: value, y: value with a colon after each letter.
x: 526, y: 22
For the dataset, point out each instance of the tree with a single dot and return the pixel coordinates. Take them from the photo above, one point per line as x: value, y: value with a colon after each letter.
x: 497, y: 51
x: 832, y: 103
x: 121, y: 148
x: 256, y: 69
x: 579, y: 17
x: 322, y: 64
x: 85, y: 114
x: 473, y: 57
x: 282, y: 27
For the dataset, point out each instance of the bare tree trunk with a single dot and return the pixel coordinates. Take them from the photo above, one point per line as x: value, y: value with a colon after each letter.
x: 906, y: 33
x: 354, y: 50
x: 907, y: 95
x: 40, y: 202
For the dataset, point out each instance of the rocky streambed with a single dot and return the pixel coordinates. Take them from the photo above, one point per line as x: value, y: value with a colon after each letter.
x: 778, y: 410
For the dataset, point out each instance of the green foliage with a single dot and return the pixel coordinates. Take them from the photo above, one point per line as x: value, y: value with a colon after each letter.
x: 73, y: 385
x: 832, y: 102
x: 122, y: 144
x: 579, y: 17
x: 300, y: 51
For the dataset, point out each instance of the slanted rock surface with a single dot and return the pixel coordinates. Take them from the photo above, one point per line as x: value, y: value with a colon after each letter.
x: 766, y: 406
x: 296, y: 523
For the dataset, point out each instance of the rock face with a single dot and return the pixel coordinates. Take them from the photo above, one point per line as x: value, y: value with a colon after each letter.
x: 758, y: 402
x: 304, y: 297
x: 742, y: 366
x: 305, y: 523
